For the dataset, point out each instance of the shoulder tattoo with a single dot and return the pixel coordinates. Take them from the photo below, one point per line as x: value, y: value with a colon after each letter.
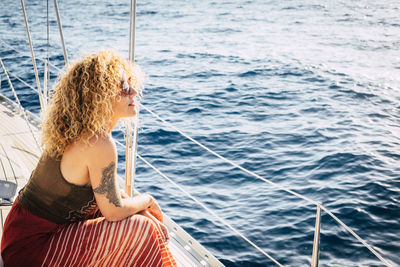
x: 107, y: 185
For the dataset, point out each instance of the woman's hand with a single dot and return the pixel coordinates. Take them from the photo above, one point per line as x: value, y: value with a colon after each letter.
x: 162, y: 229
x: 155, y: 210
x: 123, y: 194
x: 154, y: 213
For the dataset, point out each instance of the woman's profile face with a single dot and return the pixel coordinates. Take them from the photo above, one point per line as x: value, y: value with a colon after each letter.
x: 124, y: 104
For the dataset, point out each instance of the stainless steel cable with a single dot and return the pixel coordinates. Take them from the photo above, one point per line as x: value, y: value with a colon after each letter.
x: 272, y: 183
x: 212, y: 212
x: 21, y: 53
x: 229, y: 161
x: 22, y: 81
x: 223, y: 221
x: 356, y: 236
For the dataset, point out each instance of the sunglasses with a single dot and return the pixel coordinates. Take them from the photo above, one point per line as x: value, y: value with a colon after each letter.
x: 127, y: 90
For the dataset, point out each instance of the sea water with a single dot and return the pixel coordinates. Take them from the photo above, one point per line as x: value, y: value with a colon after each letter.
x: 303, y: 93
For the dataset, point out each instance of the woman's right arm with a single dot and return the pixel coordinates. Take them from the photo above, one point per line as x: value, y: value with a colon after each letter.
x: 154, y: 213
x: 101, y: 163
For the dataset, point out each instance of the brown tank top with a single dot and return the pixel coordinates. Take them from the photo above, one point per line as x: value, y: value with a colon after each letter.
x: 49, y: 196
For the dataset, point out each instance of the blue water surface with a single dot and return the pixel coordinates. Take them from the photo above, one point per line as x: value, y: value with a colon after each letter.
x: 304, y: 93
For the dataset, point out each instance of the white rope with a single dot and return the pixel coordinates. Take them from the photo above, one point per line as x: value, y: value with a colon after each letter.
x: 61, y: 33
x: 19, y: 104
x: 272, y: 183
x: 22, y: 81
x: 32, y: 55
x: 356, y: 236
x: 21, y: 53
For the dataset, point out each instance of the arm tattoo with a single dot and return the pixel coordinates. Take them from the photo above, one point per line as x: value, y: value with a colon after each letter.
x: 107, y: 185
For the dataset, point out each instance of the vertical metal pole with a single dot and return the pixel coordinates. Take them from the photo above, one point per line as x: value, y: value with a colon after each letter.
x: 132, y: 31
x: 61, y: 33
x: 45, y: 85
x: 47, y: 62
x: 315, y: 255
x: 32, y: 54
x: 131, y: 143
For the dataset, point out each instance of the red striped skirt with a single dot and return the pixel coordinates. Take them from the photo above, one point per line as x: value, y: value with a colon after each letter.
x: 29, y: 240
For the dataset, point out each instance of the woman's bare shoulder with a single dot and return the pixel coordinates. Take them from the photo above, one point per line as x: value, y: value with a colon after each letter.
x: 100, y: 145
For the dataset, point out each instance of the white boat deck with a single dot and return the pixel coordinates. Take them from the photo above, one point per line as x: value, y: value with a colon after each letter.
x: 19, y: 155
x: 14, y: 158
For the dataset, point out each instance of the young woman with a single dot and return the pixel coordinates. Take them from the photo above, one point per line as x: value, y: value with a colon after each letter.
x: 71, y: 212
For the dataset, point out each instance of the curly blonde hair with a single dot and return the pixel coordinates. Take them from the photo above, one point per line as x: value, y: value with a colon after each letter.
x: 81, y: 105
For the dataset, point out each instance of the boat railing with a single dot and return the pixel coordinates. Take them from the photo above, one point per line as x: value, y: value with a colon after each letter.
x: 319, y: 206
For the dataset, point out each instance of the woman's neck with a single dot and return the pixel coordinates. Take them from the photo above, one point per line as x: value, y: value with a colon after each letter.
x: 113, y: 122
